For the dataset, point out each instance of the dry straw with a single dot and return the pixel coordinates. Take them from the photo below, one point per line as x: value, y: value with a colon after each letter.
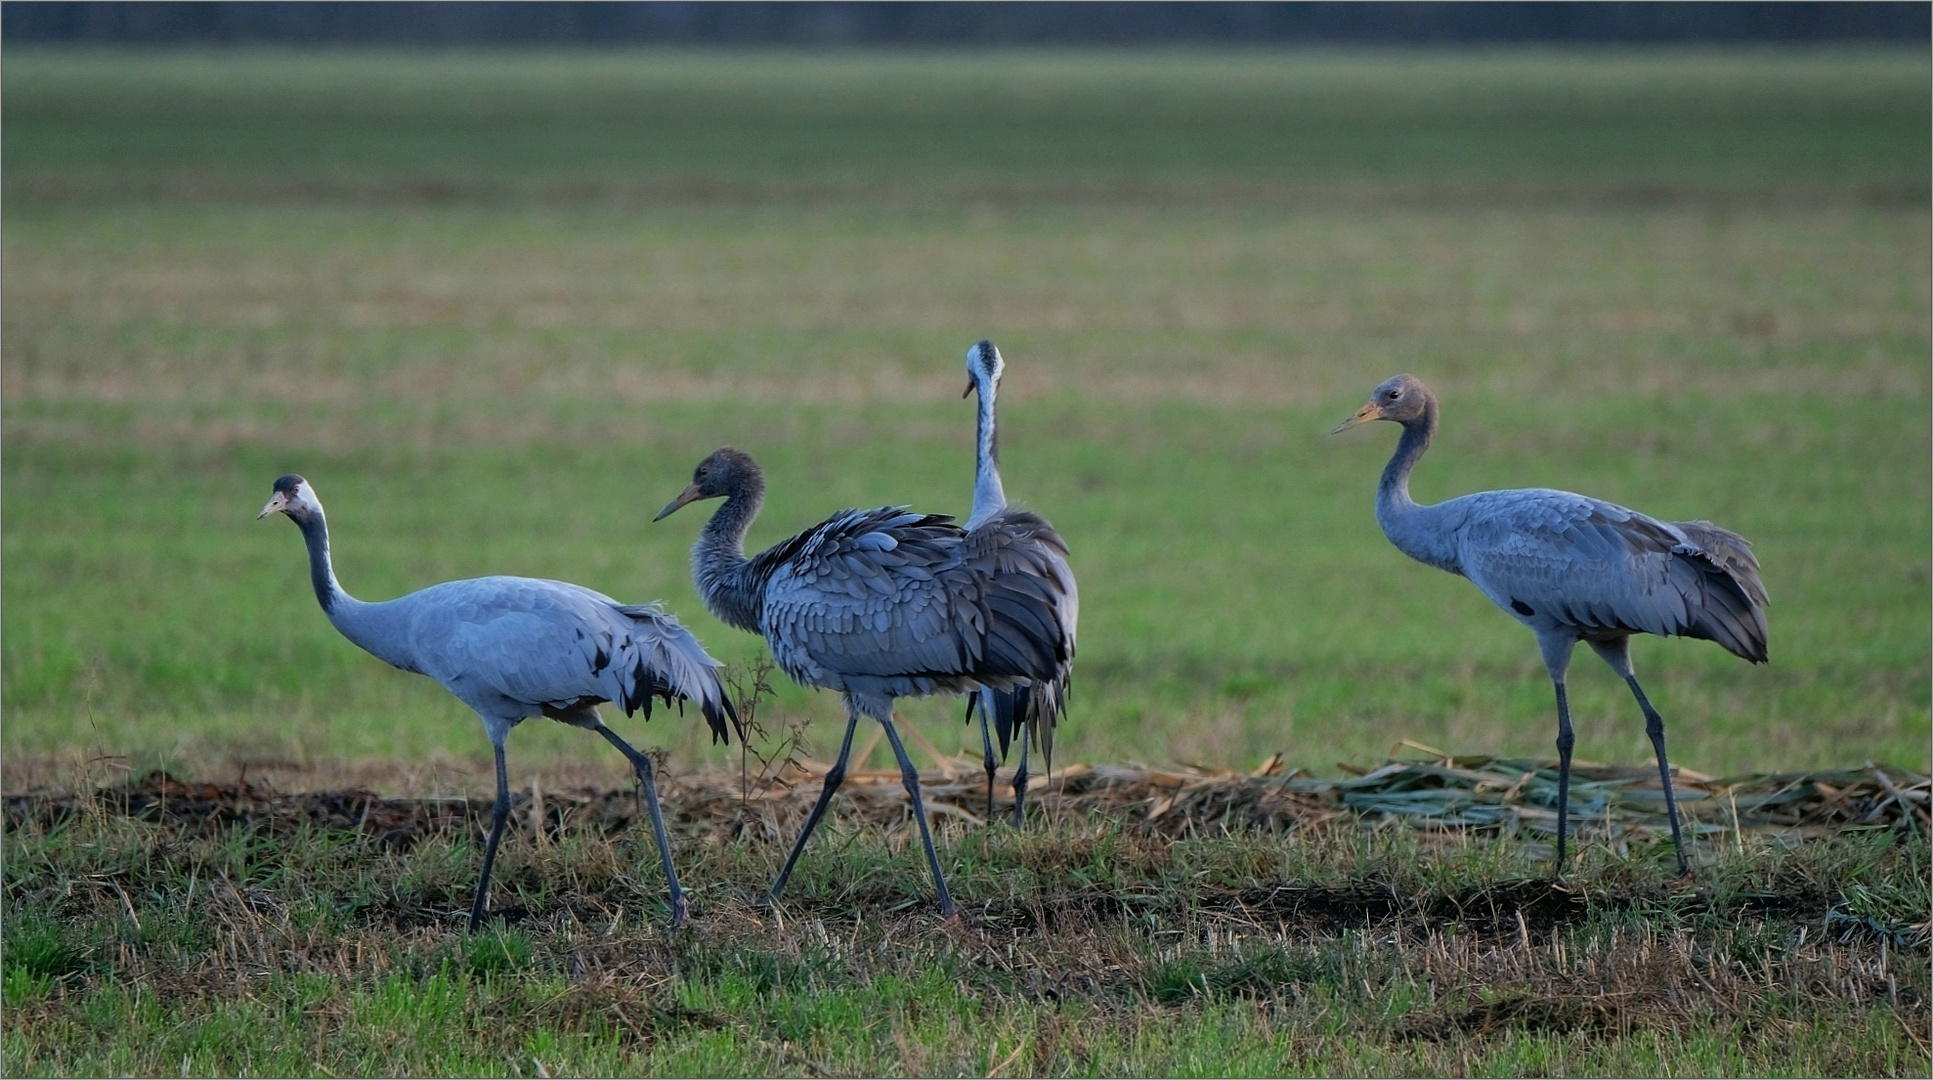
x: 1439, y: 793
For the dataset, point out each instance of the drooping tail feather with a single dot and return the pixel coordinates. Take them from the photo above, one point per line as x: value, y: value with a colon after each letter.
x: 1034, y: 606
x: 1731, y: 551
x: 1733, y: 613
x: 1003, y: 708
x: 669, y: 663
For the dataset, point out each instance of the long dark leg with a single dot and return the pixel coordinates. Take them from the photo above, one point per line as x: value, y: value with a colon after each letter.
x: 1654, y: 726
x: 1020, y: 774
x: 911, y: 778
x: 986, y: 742
x: 641, y: 764
x: 1565, y: 740
x: 499, y: 813
x: 834, y: 778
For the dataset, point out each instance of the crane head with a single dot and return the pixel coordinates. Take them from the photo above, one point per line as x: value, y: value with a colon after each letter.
x: 1401, y: 398
x: 292, y: 496
x: 984, y: 366
x: 725, y: 472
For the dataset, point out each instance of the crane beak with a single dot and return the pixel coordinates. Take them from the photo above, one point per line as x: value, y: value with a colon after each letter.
x: 689, y: 494
x: 1371, y: 411
x: 968, y: 392
x: 276, y: 502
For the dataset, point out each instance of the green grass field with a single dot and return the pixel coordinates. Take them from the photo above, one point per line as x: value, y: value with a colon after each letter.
x: 495, y: 306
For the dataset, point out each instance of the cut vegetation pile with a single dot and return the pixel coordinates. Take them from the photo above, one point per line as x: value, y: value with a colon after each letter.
x: 1613, y: 804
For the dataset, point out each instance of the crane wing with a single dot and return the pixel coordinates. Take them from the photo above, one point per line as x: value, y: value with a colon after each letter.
x: 1556, y: 558
x: 897, y: 600
x: 557, y: 647
x: 1027, y: 554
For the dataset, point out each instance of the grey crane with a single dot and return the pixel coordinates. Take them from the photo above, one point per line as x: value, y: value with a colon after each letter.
x: 876, y: 604
x: 514, y: 647
x: 1029, y: 546
x: 1573, y: 568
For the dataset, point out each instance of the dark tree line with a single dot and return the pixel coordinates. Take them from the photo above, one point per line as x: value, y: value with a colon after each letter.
x: 952, y: 23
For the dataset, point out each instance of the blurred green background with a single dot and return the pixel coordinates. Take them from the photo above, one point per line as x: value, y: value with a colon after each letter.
x: 496, y: 304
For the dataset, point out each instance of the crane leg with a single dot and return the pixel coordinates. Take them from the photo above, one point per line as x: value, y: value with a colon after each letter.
x: 834, y: 777
x: 910, y: 777
x: 641, y: 764
x: 499, y: 813
x: 986, y: 743
x: 1565, y: 740
x: 1654, y: 726
x: 1020, y: 778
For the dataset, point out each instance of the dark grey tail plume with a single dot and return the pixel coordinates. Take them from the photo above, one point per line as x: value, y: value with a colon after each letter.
x: 1005, y: 714
x: 1734, y: 611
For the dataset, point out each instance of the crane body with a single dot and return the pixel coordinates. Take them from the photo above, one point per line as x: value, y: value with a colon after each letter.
x: 512, y: 648
x: 1028, y: 545
x: 875, y: 604
x: 1573, y: 568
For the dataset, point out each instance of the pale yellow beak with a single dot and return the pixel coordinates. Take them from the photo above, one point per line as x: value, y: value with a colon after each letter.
x: 1371, y: 411
x: 689, y: 494
x: 277, y: 502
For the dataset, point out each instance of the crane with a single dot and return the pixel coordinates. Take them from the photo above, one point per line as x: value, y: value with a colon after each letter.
x: 514, y: 647
x: 1573, y: 568
x: 877, y: 605
x: 1031, y: 546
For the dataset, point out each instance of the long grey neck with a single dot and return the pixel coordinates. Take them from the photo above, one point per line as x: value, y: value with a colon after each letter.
x: 1417, y: 531
x: 1393, y: 492
x: 363, y: 624
x: 725, y: 578
x: 989, y: 497
x: 322, y: 574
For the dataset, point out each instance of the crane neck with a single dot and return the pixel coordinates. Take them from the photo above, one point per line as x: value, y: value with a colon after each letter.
x: 322, y: 573
x: 363, y: 624
x: 719, y: 568
x: 1393, y: 493
x: 1427, y: 534
x: 988, y: 496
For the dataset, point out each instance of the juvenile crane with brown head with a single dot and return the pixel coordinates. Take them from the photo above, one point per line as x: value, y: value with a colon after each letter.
x: 877, y: 605
x: 1573, y: 568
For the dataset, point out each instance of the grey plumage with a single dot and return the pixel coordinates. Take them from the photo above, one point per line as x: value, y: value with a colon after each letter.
x: 876, y: 604
x: 1025, y: 545
x: 512, y: 648
x: 1573, y: 568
